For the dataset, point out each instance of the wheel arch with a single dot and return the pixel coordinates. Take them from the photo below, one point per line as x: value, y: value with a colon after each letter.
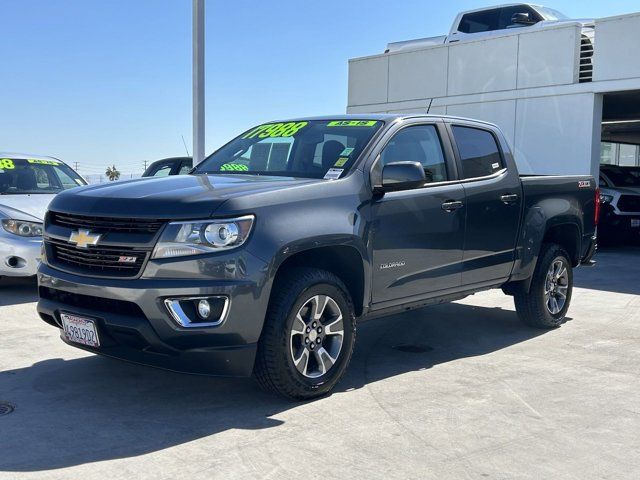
x: 345, y: 260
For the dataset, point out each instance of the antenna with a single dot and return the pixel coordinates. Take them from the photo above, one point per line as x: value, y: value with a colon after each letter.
x: 185, y: 146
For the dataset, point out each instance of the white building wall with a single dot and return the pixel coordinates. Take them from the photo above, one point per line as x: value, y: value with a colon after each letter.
x: 525, y: 82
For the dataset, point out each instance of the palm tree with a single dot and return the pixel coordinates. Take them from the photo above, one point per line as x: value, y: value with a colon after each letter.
x: 112, y: 173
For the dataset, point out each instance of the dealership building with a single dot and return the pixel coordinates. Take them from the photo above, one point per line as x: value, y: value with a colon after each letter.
x: 566, y: 101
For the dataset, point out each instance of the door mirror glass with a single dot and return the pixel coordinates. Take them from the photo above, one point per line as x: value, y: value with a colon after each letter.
x: 402, y: 176
x: 522, y: 19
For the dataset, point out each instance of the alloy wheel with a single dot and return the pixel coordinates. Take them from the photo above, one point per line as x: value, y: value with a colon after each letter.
x: 317, y: 335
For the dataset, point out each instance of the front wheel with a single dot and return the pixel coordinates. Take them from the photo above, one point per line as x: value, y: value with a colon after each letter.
x: 308, y: 336
x: 548, y: 299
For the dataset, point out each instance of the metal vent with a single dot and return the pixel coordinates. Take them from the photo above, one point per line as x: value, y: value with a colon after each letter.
x: 586, y: 59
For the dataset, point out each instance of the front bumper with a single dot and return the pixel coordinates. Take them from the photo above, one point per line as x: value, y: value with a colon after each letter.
x: 19, y: 256
x: 134, y: 324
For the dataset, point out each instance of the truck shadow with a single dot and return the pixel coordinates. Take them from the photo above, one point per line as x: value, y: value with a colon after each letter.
x: 14, y: 291
x: 91, y: 409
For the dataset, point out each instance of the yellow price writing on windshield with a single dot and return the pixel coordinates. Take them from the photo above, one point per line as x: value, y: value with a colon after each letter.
x: 7, y: 164
x: 43, y: 162
x: 276, y: 130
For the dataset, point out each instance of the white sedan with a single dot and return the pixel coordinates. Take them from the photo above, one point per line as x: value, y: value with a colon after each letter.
x: 27, y: 185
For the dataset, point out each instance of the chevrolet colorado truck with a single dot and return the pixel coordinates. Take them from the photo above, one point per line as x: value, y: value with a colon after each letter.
x: 261, y: 260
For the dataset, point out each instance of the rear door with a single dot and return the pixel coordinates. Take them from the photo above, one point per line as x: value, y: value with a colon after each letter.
x: 417, y: 244
x: 493, y: 203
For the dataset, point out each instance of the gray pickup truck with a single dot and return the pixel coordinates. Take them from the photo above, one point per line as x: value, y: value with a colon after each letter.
x: 261, y: 260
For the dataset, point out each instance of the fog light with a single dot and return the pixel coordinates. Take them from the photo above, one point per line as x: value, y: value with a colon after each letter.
x: 204, y: 309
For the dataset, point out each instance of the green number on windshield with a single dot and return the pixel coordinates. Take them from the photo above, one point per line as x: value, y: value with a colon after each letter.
x: 7, y: 164
x: 276, y: 130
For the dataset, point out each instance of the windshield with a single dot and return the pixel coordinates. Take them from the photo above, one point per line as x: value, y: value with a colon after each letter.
x: 551, y: 14
x: 20, y: 176
x: 623, y: 177
x: 306, y: 149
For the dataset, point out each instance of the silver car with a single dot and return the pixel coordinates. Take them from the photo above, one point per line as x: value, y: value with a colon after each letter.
x: 27, y: 185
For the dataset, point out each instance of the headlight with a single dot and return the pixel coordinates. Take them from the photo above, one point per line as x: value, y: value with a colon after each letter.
x: 204, y: 236
x: 23, y: 229
x: 606, y: 198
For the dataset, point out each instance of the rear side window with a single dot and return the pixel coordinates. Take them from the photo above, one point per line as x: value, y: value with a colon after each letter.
x: 479, y: 153
x: 484, y: 21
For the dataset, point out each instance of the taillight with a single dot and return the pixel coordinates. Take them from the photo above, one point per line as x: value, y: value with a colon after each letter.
x: 597, y: 209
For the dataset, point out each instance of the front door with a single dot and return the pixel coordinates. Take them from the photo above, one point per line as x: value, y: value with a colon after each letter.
x: 417, y: 243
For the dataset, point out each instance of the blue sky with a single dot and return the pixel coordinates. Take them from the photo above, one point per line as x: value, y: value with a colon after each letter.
x: 109, y: 81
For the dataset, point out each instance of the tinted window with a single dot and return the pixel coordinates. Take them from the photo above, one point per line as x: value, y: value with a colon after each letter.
x: 478, y: 150
x: 418, y: 144
x: 507, y: 13
x: 477, y: 22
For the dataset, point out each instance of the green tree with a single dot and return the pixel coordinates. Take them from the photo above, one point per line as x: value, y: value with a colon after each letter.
x: 112, y: 173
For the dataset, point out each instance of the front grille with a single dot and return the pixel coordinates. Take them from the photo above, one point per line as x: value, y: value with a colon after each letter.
x: 97, y: 261
x: 106, y: 224
x: 629, y: 203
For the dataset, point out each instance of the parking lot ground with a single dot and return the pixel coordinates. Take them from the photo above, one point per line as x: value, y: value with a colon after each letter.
x: 457, y: 391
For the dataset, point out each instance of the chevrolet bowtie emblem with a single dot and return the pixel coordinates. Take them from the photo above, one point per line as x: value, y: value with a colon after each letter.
x: 84, y: 238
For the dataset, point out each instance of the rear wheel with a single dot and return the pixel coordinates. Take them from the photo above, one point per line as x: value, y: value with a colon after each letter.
x: 308, y: 336
x: 549, y: 296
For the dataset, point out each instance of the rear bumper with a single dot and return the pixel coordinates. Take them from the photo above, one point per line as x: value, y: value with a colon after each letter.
x: 134, y: 324
x: 592, y: 246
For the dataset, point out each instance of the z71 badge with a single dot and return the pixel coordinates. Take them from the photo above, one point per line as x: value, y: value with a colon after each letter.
x: 584, y: 183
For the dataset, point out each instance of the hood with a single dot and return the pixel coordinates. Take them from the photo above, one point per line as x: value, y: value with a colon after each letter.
x: 173, y: 197
x: 25, y: 207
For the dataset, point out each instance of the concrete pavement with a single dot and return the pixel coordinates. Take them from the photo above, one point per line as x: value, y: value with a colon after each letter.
x: 459, y: 391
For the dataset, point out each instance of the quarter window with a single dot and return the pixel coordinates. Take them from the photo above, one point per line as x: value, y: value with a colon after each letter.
x: 479, y: 153
x: 418, y: 144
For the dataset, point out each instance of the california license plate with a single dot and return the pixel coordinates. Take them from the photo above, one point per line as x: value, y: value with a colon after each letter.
x: 635, y: 223
x: 80, y: 330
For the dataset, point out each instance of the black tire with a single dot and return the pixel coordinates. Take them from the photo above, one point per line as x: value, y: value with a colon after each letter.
x: 532, y: 306
x: 274, y: 369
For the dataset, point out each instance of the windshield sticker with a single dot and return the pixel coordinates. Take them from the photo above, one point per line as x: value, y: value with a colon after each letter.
x: 346, y: 152
x: 44, y: 162
x: 7, y: 164
x: 352, y: 123
x: 234, y: 167
x: 495, y: 165
x: 341, y: 161
x: 276, y: 130
x: 333, y: 173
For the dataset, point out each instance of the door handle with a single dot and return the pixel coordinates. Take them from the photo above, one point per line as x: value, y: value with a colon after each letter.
x: 509, y: 197
x: 452, y: 205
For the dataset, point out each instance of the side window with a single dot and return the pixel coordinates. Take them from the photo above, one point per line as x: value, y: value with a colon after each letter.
x: 184, y: 169
x: 477, y: 22
x: 479, y: 153
x: 66, y: 181
x: 163, y: 171
x: 507, y: 13
x: 418, y: 144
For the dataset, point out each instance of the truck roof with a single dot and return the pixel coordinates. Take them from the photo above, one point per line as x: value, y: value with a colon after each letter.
x: 26, y: 156
x: 388, y: 117
x: 503, y: 5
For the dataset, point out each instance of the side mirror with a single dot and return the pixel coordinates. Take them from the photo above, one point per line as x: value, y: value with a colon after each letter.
x: 402, y: 176
x: 522, y: 19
